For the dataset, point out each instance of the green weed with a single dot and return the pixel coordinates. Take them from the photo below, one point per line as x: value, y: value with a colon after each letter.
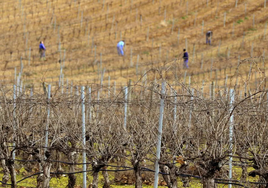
x: 252, y: 29
x: 146, y: 53
x: 240, y: 21
x: 222, y: 55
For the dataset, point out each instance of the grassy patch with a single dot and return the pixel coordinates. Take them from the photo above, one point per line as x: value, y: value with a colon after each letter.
x: 63, y: 180
x: 222, y: 55
x: 146, y: 53
x: 240, y: 21
x: 192, y: 13
x: 252, y: 29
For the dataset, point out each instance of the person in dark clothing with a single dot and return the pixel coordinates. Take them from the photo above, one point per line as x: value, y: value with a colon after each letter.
x: 185, y: 58
x: 42, y: 50
x: 208, y: 37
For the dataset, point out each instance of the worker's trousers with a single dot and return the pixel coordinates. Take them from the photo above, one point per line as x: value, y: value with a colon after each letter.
x: 120, y: 50
x: 185, y: 64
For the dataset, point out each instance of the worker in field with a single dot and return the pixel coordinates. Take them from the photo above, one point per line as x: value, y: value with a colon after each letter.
x: 42, y: 50
x: 120, y: 47
x: 185, y: 59
x: 208, y: 37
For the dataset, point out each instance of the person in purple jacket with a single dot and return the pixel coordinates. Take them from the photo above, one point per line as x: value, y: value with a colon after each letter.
x: 42, y: 50
x: 185, y: 58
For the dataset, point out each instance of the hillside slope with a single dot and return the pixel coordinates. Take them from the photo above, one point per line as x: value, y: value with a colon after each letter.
x: 81, y: 37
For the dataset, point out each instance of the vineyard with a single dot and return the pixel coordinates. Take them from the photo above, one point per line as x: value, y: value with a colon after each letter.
x: 86, y: 117
x: 81, y: 38
x: 124, y: 134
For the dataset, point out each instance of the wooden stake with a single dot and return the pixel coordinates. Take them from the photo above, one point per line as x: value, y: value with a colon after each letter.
x: 137, y: 64
x: 243, y: 44
x: 233, y: 29
x: 186, y: 44
x: 251, y: 54
x: 29, y: 62
x: 113, y: 23
x: 172, y: 26
x: 167, y: 55
x: 264, y: 31
x: 178, y: 36
x: 195, y: 19
x: 216, y: 74
x: 219, y: 47
x: 184, y: 80
x: 211, y: 66
x: 131, y: 63
x: 193, y: 53
x: 224, y: 19
x: 187, y: 8
x: 202, y: 61
x: 160, y: 51
x: 203, y: 23
x: 165, y: 14
x: 136, y: 14
x: 81, y: 19
x: 147, y: 38
x: 107, y: 13
x: 92, y: 44
x: 253, y: 19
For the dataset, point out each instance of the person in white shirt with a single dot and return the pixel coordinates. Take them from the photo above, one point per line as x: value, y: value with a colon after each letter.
x: 120, y: 46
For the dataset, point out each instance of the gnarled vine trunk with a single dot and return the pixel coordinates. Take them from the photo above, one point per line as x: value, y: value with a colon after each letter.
x: 244, y: 172
x: 137, y: 171
x: 46, y: 173
x: 4, y: 153
x: 44, y: 178
x: 71, y: 177
x: 209, y: 183
x: 164, y: 169
x: 5, y: 177
x: 96, y: 169
x: 169, y: 175
x: 12, y: 172
x: 95, y: 179
x: 106, y: 178
x: 44, y: 168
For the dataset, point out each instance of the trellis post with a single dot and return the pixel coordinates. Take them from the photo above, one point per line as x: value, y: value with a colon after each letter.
x: 159, y: 137
x: 84, y: 138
